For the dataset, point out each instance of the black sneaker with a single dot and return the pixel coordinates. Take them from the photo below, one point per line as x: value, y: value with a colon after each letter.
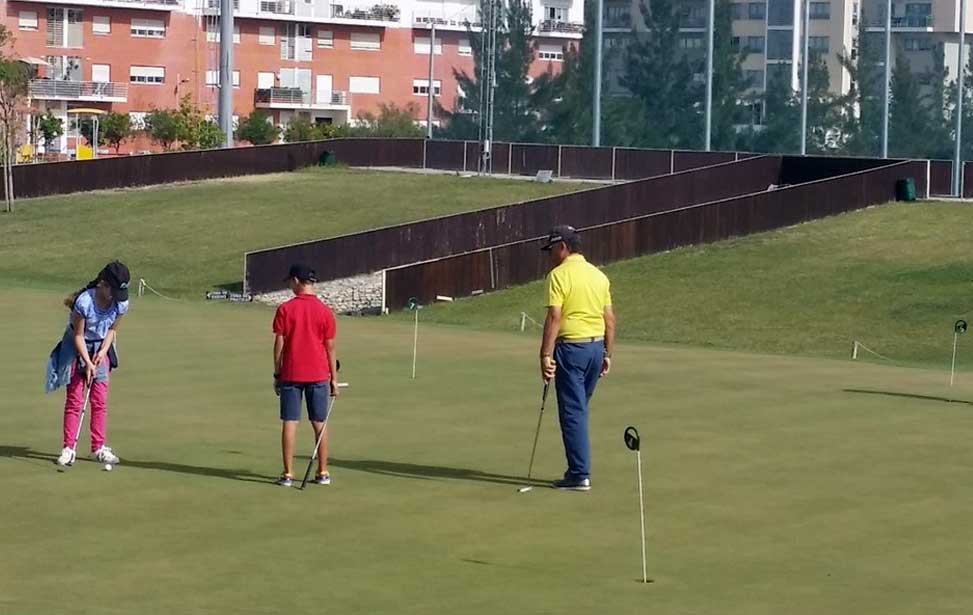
x: 572, y: 484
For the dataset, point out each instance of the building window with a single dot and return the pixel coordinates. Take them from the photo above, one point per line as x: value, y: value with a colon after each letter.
x: 691, y: 41
x: 918, y: 44
x: 326, y: 39
x: 295, y: 42
x: 780, y: 44
x: 364, y: 85
x: 555, y: 13
x: 148, y: 28
x: 754, y: 78
x: 464, y: 48
x: 757, y: 11
x: 65, y: 27
x: 101, y: 73
x: 213, y: 32
x: 101, y: 24
x: 27, y: 20
x: 366, y: 41
x: 420, y: 87
x: 820, y: 10
x: 553, y: 53
x: 213, y: 78
x: 267, y: 35
x: 421, y: 46
x: 736, y: 11
x: 149, y: 75
x: 754, y: 44
x: 67, y: 68
x: 780, y: 13
x: 820, y: 44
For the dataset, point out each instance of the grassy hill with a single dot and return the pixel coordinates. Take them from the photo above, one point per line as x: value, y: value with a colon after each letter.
x: 893, y: 277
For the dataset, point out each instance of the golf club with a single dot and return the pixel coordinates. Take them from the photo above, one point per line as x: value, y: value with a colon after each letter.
x: 317, y: 444
x: 77, y: 434
x: 537, y: 433
x: 634, y: 443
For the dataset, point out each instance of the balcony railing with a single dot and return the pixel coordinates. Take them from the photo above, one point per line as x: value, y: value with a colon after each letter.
x: 373, y: 12
x: 692, y: 22
x: 456, y: 22
x: 618, y: 21
x: 316, y: 10
x: 57, y: 89
x: 296, y: 97
x: 908, y: 21
x: 561, y: 27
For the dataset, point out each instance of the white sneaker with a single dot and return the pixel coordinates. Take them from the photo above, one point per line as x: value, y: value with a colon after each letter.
x: 66, y: 458
x: 105, y: 455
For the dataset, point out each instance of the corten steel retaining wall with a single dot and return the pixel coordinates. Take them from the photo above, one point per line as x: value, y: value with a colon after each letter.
x: 521, y: 262
x: 378, y: 249
x: 940, y: 177
x: 32, y: 180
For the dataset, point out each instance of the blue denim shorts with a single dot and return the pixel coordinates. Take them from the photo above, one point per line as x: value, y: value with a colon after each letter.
x: 316, y: 394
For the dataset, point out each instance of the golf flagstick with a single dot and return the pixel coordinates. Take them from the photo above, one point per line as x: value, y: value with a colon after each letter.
x: 317, y: 445
x: 633, y: 442
x: 958, y: 329
x: 413, y: 305
x: 537, y: 433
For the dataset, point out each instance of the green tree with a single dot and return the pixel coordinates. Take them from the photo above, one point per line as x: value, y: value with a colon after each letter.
x: 659, y: 74
x: 300, y: 129
x: 14, y: 79
x: 516, y: 116
x: 391, y: 121
x: 909, y: 116
x: 861, y: 108
x: 50, y: 128
x: 939, y: 97
x: 729, y: 83
x: 258, y: 129
x: 780, y: 132
x: 823, y: 110
x: 163, y: 127
x: 115, y: 128
x: 194, y: 130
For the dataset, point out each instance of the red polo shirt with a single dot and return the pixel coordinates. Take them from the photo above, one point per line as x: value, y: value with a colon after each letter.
x: 306, y: 323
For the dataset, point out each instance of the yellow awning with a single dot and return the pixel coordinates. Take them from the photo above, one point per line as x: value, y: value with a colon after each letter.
x: 88, y: 111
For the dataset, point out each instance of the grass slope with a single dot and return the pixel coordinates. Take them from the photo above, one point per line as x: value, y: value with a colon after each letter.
x: 893, y: 277
x: 186, y: 239
x: 771, y: 486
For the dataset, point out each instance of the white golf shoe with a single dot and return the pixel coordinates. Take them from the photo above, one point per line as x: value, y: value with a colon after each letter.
x: 66, y: 457
x: 105, y: 455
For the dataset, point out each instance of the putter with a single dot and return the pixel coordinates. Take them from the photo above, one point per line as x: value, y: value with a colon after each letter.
x: 77, y: 434
x: 314, y: 455
x: 537, y: 433
x: 634, y: 443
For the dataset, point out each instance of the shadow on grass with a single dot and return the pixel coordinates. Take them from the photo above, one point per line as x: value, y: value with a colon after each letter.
x: 424, y: 472
x: 909, y: 396
x: 233, y: 287
x: 26, y: 453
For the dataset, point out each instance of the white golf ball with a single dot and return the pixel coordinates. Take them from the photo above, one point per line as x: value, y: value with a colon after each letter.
x: 108, y: 467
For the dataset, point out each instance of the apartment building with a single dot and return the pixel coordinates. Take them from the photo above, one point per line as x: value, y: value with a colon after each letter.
x: 327, y: 60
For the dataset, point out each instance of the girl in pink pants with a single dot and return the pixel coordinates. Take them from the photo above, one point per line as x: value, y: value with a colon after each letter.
x: 96, y: 312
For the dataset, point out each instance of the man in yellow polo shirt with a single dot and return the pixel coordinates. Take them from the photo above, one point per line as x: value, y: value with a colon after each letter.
x: 576, y: 350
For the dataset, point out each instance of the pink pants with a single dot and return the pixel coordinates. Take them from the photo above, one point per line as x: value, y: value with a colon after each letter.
x: 97, y: 409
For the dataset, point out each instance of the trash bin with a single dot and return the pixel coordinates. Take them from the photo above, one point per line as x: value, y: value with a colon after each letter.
x: 905, y: 189
x: 329, y: 159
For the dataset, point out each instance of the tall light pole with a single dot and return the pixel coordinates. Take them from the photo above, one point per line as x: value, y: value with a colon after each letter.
x: 958, y: 156
x: 596, y: 103
x: 888, y: 78
x: 226, y: 71
x: 709, y: 73
x: 429, y: 83
x: 805, y: 60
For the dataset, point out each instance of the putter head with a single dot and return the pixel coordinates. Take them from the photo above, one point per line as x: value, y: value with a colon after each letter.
x: 524, y: 489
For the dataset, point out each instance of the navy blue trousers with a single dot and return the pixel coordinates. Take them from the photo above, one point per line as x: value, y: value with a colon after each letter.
x: 578, y: 371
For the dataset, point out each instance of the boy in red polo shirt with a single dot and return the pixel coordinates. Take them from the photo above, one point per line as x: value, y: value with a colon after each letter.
x: 304, y: 362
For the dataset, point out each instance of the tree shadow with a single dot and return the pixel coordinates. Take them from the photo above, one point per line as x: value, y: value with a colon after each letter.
x: 909, y: 396
x: 24, y: 452
x: 426, y: 472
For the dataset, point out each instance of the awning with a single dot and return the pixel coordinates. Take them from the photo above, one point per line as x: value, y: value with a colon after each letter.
x: 87, y: 111
x: 31, y: 60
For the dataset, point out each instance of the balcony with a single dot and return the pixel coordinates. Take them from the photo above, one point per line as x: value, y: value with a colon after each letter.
x: 916, y: 23
x: 320, y: 11
x: 618, y: 22
x: 90, y: 91
x: 150, y: 5
x: 692, y: 22
x: 460, y: 22
x: 562, y: 29
x: 296, y: 98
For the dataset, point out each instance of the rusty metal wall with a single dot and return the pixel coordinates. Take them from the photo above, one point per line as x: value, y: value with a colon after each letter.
x: 379, y: 249
x: 940, y: 178
x: 683, y: 161
x: 529, y: 159
x: 803, y: 169
x: 378, y: 152
x: 447, y: 155
x: 517, y: 263
x: 639, y: 163
x: 586, y: 162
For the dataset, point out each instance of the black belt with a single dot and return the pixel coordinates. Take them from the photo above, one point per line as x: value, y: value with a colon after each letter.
x: 583, y: 340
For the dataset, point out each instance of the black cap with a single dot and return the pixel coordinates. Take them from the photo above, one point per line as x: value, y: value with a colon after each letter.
x: 116, y: 275
x: 303, y: 273
x: 564, y: 233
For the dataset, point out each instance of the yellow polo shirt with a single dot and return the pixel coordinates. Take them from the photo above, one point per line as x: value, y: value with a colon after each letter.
x: 582, y: 292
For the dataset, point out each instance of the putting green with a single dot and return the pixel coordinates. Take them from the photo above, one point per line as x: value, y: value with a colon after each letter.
x: 773, y: 484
